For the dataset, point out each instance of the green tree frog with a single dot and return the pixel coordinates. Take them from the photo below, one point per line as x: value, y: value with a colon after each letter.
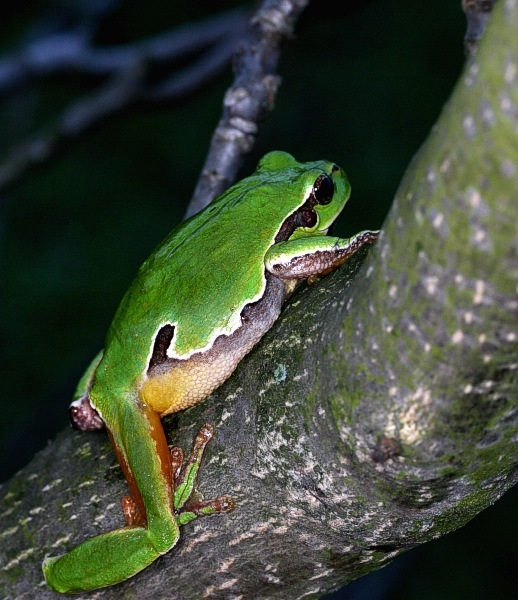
x: 198, y: 304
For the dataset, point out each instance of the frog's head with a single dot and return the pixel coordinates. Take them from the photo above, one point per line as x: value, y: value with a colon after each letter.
x: 317, y: 190
x: 312, y: 194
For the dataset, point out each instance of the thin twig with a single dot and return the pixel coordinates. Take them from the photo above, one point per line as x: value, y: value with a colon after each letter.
x: 249, y: 99
x: 124, y: 71
x: 72, y: 51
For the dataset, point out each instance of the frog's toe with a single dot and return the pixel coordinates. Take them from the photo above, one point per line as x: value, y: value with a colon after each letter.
x: 185, y: 478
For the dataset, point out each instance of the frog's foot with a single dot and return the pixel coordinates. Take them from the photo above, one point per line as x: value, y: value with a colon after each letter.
x: 343, y: 252
x: 184, y: 480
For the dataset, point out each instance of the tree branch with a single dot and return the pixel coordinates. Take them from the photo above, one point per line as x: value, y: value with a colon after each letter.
x: 125, y: 78
x: 73, y: 51
x: 248, y: 100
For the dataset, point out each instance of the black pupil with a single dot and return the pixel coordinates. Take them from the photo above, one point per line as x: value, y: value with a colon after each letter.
x: 323, y: 189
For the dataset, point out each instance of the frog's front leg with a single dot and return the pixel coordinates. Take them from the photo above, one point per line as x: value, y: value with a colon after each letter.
x: 312, y: 256
x: 153, y: 512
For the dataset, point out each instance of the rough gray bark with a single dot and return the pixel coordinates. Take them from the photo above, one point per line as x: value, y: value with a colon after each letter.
x: 379, y: 413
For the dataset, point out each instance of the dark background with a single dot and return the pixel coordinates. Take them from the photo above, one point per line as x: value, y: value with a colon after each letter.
x: 362, y: 86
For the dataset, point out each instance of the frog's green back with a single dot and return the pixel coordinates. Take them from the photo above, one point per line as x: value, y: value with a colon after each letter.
x: 202, y: 275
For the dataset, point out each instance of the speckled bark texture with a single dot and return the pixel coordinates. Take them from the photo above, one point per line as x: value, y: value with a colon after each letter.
x: 380, y: 412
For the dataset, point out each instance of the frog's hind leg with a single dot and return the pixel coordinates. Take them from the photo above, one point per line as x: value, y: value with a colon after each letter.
x: 141, y: 447
x: 159, y: 503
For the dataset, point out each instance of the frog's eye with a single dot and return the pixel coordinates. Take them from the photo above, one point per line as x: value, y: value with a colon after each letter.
x: 323, y: 189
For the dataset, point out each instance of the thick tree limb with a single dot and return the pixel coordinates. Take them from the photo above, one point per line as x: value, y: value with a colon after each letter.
x: 378, y: 414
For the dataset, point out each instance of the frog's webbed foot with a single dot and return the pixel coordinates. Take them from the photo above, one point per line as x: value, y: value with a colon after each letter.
x: 184, y: 480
